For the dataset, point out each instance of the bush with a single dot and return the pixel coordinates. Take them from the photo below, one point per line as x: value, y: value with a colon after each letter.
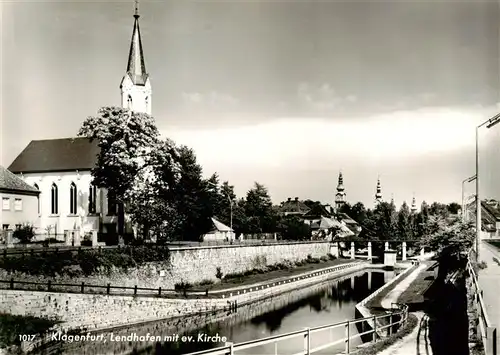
x: 12, y: 326
x: 218, y: 273
x: 90, y: 261
x: 24, y: 233
x: 206, y: 282
x: 183, y: 287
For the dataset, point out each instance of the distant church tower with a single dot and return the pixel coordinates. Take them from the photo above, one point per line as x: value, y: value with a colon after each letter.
x: 413, y: 205
x: 135, y: 86
x: 340, y: 196
x: 378, y: 194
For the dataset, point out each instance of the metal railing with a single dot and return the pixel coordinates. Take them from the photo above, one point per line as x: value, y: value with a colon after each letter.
x: 396, y: 318
x: 50, y: 286
x: 488, y: 332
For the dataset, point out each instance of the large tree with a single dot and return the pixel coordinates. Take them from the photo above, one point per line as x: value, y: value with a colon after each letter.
x: 259, y: 209
x: 191, y: 197
x: 345, y: 208
x: 358, y: 212
x: 404, y: 224
x: 384, y: 218
x: 292, y: 227
x: 125, y: 139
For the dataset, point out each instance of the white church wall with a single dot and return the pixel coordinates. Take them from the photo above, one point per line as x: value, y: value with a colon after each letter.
x: 64, y: 220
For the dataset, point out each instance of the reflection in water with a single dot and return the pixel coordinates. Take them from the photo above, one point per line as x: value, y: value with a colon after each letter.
x: 325, y: 303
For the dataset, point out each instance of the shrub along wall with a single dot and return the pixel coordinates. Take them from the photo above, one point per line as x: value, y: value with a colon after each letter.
x: 149, y: 267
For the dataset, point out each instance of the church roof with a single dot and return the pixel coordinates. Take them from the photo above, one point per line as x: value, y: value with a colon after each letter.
x: 136, y: 67
x: 12, y: 183
x: 66, y: 154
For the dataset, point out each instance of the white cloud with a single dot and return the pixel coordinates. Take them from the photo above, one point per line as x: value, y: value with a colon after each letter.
x: 311, y: 143
x: 323, y: 98
x: 211, y: 100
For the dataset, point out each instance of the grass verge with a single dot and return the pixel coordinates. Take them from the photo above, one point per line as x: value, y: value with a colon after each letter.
x: 414, y: 295
x: 383, y: 344
x: 260, y: 275
x: 12, y: 326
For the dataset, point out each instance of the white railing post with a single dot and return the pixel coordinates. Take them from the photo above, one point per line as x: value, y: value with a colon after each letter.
x: 491, y: 339
x: 347, y: 326
x: 307, y: 341
x: 374, y: 329
x: 275, y: 348
x: 230, y: 345
x: 389, y: 329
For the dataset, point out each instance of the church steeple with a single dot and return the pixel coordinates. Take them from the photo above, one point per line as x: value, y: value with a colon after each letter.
x: 413, y: 204
x: 135, y: 86
x: 340, y: 196
x: 378, y: 194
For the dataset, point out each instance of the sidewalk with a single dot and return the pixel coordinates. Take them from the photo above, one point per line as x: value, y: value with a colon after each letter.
x: 393, y: 295
x: 489, y: 281
x: 415, y: 343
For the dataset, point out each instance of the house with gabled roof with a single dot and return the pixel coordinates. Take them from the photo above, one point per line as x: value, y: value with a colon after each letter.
x: 293, y: 207
x: 60, y: 169
x: 20, y: 203
x: 490, y: 216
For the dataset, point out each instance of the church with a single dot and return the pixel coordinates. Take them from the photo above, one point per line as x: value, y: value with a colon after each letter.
x: 60, y: 169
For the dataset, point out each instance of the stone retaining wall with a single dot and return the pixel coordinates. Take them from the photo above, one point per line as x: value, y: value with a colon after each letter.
x: 365, y: 311
x: 193, y: 264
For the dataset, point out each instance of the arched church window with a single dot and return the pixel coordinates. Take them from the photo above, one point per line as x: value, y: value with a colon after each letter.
x: 54, y: 199
x: 129, y: 102
x: 38, y: 198
x: 72, y: 198
x: 92, y: 198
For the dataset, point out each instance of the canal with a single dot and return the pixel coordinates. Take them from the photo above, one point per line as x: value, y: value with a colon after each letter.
x: 325, y: 303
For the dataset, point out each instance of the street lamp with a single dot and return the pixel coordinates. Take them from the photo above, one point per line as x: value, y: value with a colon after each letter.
x: 469, y: 179
x: 489, y: 123
x: 230, y: 209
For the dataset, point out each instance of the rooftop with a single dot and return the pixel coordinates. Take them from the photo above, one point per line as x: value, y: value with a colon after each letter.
x: 65, y: 154
x: 12, y: 183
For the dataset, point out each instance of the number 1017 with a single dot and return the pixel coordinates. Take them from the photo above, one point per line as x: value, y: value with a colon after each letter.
x: 24, y: 337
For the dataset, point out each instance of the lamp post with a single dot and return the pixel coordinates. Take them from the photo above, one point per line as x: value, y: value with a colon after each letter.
x: 469, y: 179
x: 489, y: 123
x: 230, y: 208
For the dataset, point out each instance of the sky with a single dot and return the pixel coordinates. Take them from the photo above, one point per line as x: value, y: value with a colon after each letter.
x: 286, y: 93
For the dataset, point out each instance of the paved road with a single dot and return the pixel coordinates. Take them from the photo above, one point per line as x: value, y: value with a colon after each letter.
x: 489, y: 281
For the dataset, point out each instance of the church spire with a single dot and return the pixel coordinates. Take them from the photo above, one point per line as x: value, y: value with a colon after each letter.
x: 340, y: 195
x: 136, y: 66
x: 413, y: 204
x: 378, y: 194
x: 135, y: 85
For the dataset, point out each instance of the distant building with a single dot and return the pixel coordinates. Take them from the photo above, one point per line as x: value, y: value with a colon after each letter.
x: 20, y: 201
x: 490, y: 216
x: 293, y: 207
x: 413, y: 207
x: 378, y: 193
x: 340, y: 196
x: 60, y: 169
x: 218, y: 232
